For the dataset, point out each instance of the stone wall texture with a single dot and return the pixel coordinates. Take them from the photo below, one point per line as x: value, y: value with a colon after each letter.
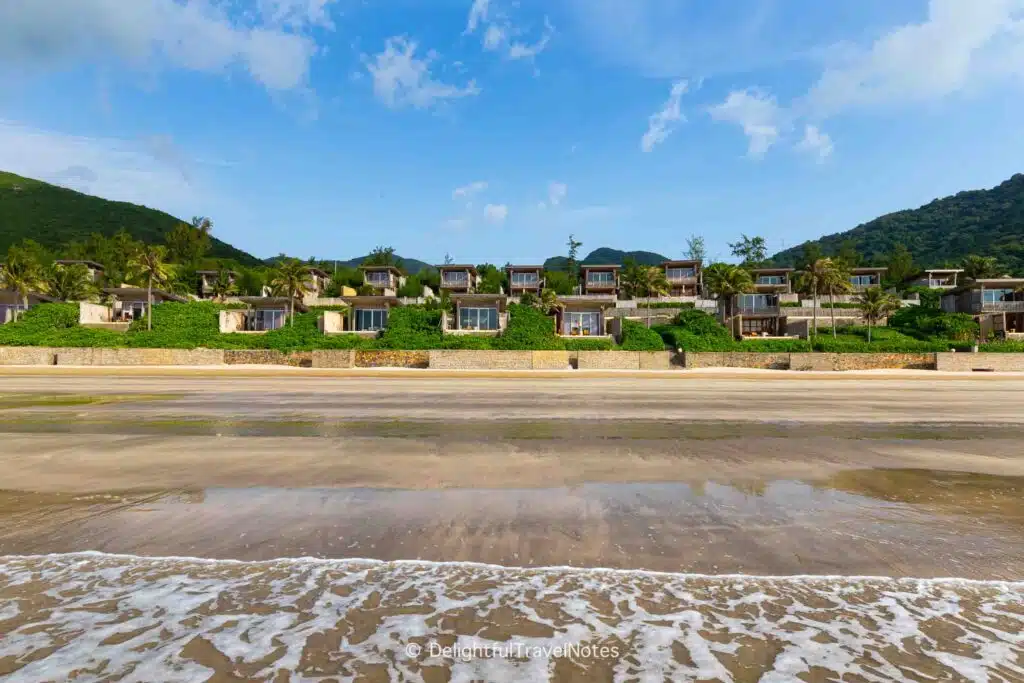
x: 392, y: 359
x: 656, y: 360
x: 553, y: 360
x: 609, y: 360
x: 27, y: 355
x: 299, y: 359
x: 762, y: 361
x: 481, y: 360
x: 334, y: 358
x: 862, y: 361
x: 138, y: 356
x: 967, y: 362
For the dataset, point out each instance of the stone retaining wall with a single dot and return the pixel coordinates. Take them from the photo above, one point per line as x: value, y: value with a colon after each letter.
x: 298, y: 359
x: 40, y: 355
x: 481, y: 360
x: 967, y: 362
x: 715, y: 359
x: 334, y: 358
x: 861, y: 361
x: 553, y: 360
x: 609, y: 360
x: 392, y: 359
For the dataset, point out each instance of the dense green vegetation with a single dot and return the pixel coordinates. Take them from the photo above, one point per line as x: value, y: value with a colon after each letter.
x: 55, y: 217
x: 984, y: 222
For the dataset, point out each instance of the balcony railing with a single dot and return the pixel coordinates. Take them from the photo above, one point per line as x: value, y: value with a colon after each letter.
x: 449, y: 281
x: 1002, y: 307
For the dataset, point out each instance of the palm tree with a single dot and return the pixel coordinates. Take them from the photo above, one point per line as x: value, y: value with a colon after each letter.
x: 835, y: 278
x: 148, y: 262
x: 68, y: 282
x: 980, y: 267
x: 20, y: 273
x: 290, y: 278
x: 725, y: 281
x: 646, y: 282
x: 876, y: 304
x: 812, y: 280
x: 223, y: 285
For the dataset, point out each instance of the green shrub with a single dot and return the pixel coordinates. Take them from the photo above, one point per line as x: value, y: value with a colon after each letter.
x: 930, y: 298
x: 529, y: 329
x: 56, y: 325
x: 412, y: 328
x: 1002, y: 347
x: 637, y: 337
x: 702, y: 324
x: 929, y: 324
x: 772, y: 345
x: 664, y: 304
x: 179, y: 326
x: 583, y: 344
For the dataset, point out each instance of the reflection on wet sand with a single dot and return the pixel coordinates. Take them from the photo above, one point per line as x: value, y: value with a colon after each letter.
x: 840, y: 526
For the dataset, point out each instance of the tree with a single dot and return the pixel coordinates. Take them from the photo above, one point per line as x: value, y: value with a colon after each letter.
x: 981, y: 267
x: 21, y: 273
x: 559, y: 282
x: 203, y: 225
x: 188, y: 243
x: 725, y: 281
x: 223, y: 285
x: 835, y: 279
x: 900, y: 266
x: 848, y: 254
x: 876, y: 304
x: 383, y: 256
x: 644, y: 282
x: 812, y: 280
x: 250, y: 282
x: 751, y: 250
x: 571, y: 264
x: 448, y: 260
x: 149, y: 263
x: 492, y: 280
x: 291, y: 278
x: 549, y: 300
x: 808, y: 256
x: 68, y: 282
x: 695, y: 250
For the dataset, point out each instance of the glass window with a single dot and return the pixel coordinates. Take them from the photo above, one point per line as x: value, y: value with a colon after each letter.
x: 581, y: 323
x: 601, y: 277
x: 680, y: 273
x: 460, y: 277
x: 478, y: 319
x: 371, y: 319
x: 755, y: 302
x: 263, y: 319
x: 863, y: 280
x: 378, y: 278
x: 771, y: 279
x: 992, y: 296
x: 525, y: 279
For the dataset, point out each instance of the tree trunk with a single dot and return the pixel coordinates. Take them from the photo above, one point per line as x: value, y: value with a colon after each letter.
x: 869, y: 330
x: 832, y: 310
x: 291, y: 318
x: 648, y: 310
x: 814, y: 310
x: 149, y: 303
x: 24, y: 306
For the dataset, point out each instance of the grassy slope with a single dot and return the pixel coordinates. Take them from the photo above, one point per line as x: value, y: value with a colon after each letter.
x: 54, y: 216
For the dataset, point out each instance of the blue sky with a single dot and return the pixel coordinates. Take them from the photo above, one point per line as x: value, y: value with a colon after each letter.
x: 493, y: 130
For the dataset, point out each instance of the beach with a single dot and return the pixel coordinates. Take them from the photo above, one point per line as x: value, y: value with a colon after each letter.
x: 718, y: 526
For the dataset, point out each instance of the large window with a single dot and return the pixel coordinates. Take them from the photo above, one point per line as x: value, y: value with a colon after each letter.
x: 601, y: 277
x: 458, y: 278
x: 478, y: 318
x: 525, y: 279
x: 378, y: 278
x: 771, y: 279
x: 755, y: 303
x: 371, y: 319
x: 680, y: 273
x: 863, y: 280
x: 264, y: 319
x: 581, y: 323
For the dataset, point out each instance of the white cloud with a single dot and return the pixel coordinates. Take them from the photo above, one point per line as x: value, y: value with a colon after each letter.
x: 400, y: 78
x: 500, y: 33
x: 123, y: 170
x: 960, y: 43
x: 557, y: 193
x: 271, y: 41
x: 496, y: 213
x: 757, y: 113
x: 467, y: 191
x: 816, y: 143
x: 663, y: 122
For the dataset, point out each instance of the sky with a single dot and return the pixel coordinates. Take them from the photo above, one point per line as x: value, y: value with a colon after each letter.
x: 491, y: 130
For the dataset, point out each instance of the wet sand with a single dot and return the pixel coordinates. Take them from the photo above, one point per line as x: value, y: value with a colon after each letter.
x: 895, y: 478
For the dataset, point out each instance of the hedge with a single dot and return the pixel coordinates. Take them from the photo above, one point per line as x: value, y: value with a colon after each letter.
x: 637, y: 337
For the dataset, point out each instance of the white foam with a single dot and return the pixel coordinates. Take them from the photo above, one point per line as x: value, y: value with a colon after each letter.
x: 268, y: 616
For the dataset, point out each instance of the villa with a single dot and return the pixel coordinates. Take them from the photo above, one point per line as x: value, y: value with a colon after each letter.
x: 384, y: 280
x: 996, y: 303
x: 756, y: 315
x: 12, y: 304
x: 368, y: 315
x: 129, y: 303
x: 600, y: 279
x: 939, y: 278
x: 462, y: 279
x: 683, y: 277
x: 865, y: 278
x: 586, y: 316
x: 207, y: 279
x: 476, y: 314
x: 94, y: 269
x: 317, y: 283
x: 773, y: 280
x: 263, y: 314
x: 525, y: 279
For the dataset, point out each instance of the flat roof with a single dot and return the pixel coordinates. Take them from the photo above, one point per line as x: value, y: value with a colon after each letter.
x: 370, y: 299
x: 142, y: 293
x: 268, y: 301
x: 943, y: 270
x: 772, y: 270
x: 684, y: 262
x: 869, y: 269
x: 71, y: 262
x: 1000, y: 281
x: 458, y: 266
x: 390, y: 269
x: 511, y: 267
x: 599, y: 266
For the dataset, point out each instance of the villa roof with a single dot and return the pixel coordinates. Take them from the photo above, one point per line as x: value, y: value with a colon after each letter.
x: 600, y: 266
x: 73, y: 262
x: 141, y: 294
x: 943, y: 270
x: 517, y: 267
x: 368, y: 299
x: 683, y: 262
x: 869, y: 269
x: 1000, y: 282
x: 271, y: 302
x: 772, y: 270
x: 458, y: 266
x: 389, y: 269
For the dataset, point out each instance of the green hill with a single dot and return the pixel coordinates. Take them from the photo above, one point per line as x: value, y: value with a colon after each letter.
x: 983, y: 222
x: 607, y: 255
x: 55, y: 216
